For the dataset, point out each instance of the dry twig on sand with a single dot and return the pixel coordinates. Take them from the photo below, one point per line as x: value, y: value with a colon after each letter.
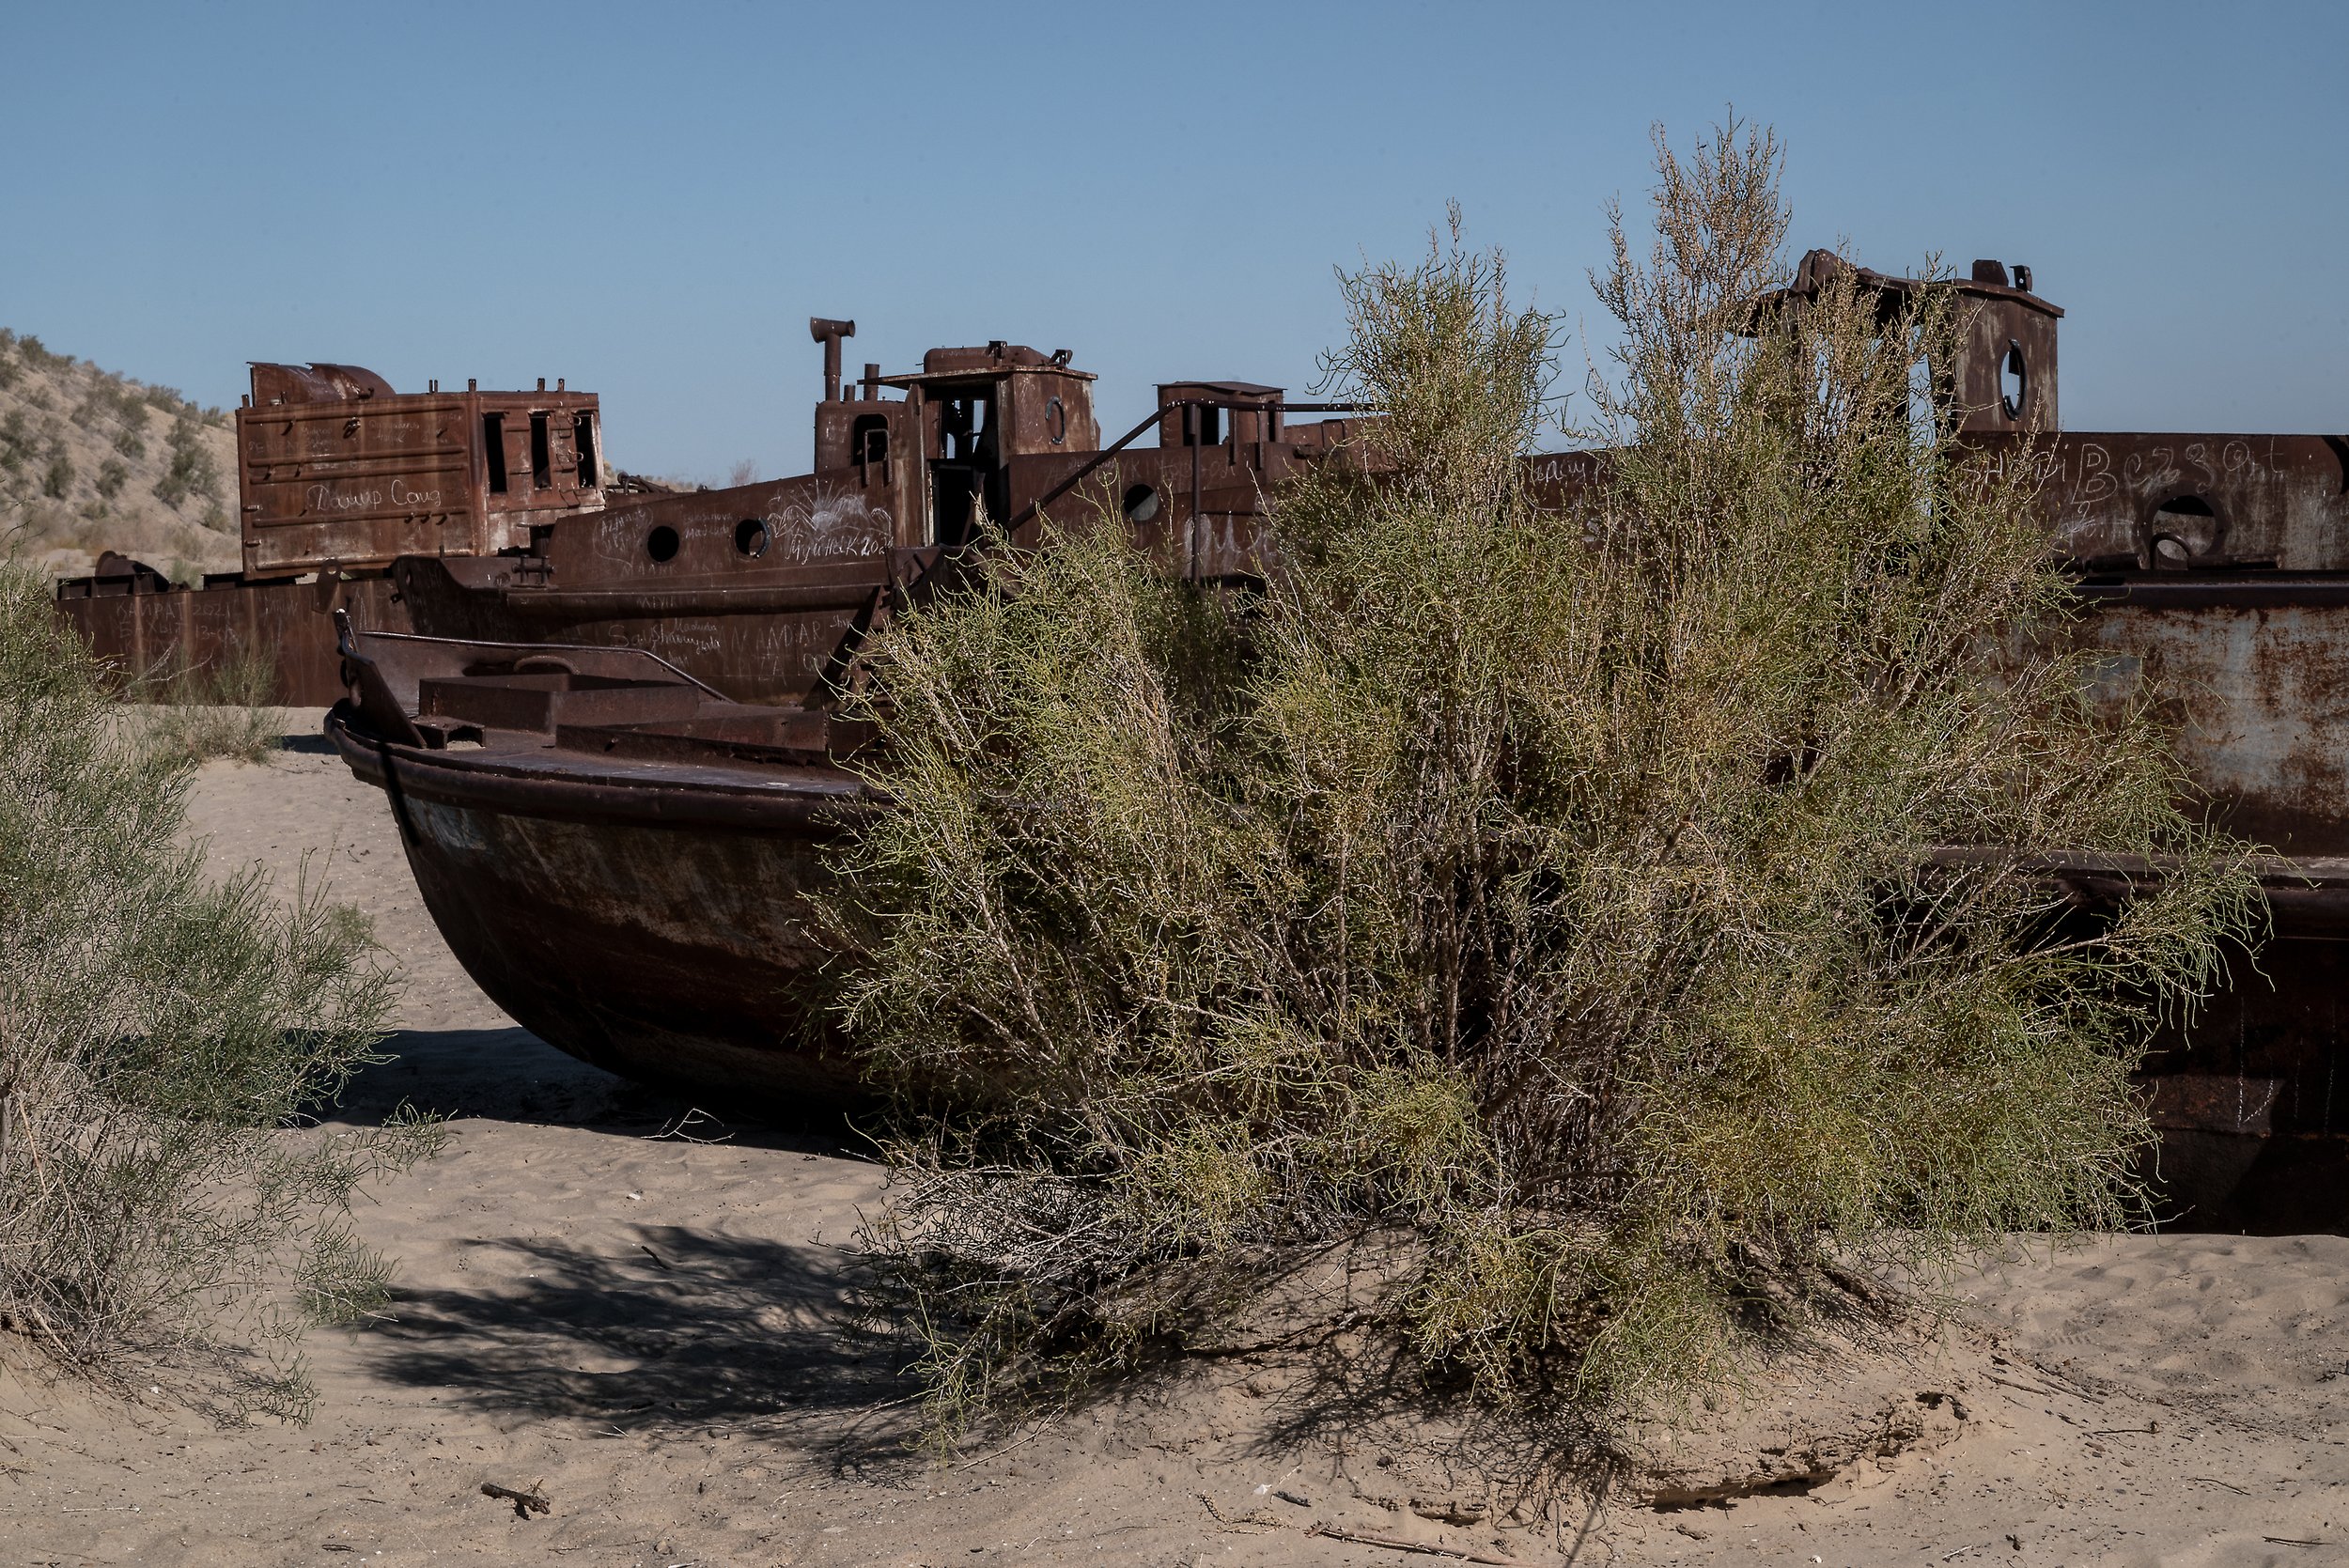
x: 1393, y: 1544
x: 525, y: 1503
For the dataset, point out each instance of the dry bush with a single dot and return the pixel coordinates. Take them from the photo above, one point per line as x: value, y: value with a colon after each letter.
x: 161, y: 1035
x: 192, y: 472
x: 18, y: 447
x: 1565, y: 897
x: 222, y: 709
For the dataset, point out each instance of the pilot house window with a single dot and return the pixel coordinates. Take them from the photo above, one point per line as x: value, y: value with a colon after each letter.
x: 584, y: 437
x: 541, y: 457
x: 493, y: 448
x: 966, y: 423
x: 868, y: 439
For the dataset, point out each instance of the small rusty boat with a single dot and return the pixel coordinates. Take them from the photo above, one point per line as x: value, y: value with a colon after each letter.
x: 619, y: 856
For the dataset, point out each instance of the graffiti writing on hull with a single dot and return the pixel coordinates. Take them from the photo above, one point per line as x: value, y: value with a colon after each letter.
x: 827, y: 523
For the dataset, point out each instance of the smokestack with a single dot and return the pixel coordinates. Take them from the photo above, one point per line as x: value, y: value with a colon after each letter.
x: 829, y: 333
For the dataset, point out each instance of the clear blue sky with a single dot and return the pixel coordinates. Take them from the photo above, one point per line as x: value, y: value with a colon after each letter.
x: 651, y: 199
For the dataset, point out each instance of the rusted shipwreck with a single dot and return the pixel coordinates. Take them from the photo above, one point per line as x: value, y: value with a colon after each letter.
x: 616, y: 765
x: 615, y: 762
x: 338, y: 477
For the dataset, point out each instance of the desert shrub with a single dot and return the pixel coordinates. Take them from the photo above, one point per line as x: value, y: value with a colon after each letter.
x: 221, y: 709
x: 112, y: 476
x: 56, y: 476
x: 191, y: 471
x: 160, y: 1033
x: 1562, y: 892
x: 18, y: 446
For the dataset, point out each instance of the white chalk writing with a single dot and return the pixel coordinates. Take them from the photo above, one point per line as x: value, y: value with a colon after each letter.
x: 828, y: 522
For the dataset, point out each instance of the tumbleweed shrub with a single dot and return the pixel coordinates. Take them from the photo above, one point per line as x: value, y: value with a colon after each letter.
x: 1629, y: 909
x: 163, y: 1039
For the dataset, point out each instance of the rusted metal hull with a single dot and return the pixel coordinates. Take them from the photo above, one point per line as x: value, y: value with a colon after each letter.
x: 620, y: 859
x: 2252, y: 1101
x: 2160, y: 501
x: 155, y: 639
x: 671, y: 950
x: 2253, y: 671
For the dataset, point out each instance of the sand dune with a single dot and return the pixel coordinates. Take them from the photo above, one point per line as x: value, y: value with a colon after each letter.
x: 657, y: 1333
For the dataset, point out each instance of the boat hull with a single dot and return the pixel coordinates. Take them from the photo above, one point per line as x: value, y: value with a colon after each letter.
x: 662, y: 935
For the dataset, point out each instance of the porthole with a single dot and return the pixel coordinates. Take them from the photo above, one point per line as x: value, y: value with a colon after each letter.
x: 661, y: 544
x: 2014, y: 381
x: 749, y: 538
x: 1055, y: 421
x: 2184, y: 530
x: 1141, y: 504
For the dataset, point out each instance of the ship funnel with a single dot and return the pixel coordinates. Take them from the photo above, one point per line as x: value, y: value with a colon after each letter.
x: 829, y: 333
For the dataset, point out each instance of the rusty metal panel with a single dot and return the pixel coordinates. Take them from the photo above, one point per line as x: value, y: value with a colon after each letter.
x: 2160, y: 501
x: 865, y: 432
x: 359, y: 482
x: 1047, y: 412
x: 159, y: 637
x: 2003, y: 378
x: 821, y: 517
x: 337, y: 470
x: 551, y: 446
x: 2208, y: 1102
x: 751, y: 589
x: 2255, y: 674
x: 315, y: 384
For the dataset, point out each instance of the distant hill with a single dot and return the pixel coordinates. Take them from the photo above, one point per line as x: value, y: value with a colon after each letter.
x: 91, y: 460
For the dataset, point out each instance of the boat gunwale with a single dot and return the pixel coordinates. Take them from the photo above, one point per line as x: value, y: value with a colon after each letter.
x: 496, y: 783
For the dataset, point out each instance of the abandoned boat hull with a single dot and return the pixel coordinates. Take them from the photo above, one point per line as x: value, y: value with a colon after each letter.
x: 660, y: 930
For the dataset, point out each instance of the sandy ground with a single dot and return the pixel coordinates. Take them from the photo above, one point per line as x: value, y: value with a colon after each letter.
x: 652, y: 1332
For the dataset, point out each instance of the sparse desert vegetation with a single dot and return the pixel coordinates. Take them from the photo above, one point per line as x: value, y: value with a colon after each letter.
x: 91, y: 460
x: 163, y: 1036
x: 195, y: 715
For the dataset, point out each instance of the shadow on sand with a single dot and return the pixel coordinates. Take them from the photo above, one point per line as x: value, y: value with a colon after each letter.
x: 693, y: 1329
x: 685, y: 1327
x: 510, y: 1074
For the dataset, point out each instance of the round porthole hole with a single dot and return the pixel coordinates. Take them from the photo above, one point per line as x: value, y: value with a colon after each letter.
x: 749, y: 538
x: 661, y: 544
x: 1141, y: 504
x: 2014, y: 381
